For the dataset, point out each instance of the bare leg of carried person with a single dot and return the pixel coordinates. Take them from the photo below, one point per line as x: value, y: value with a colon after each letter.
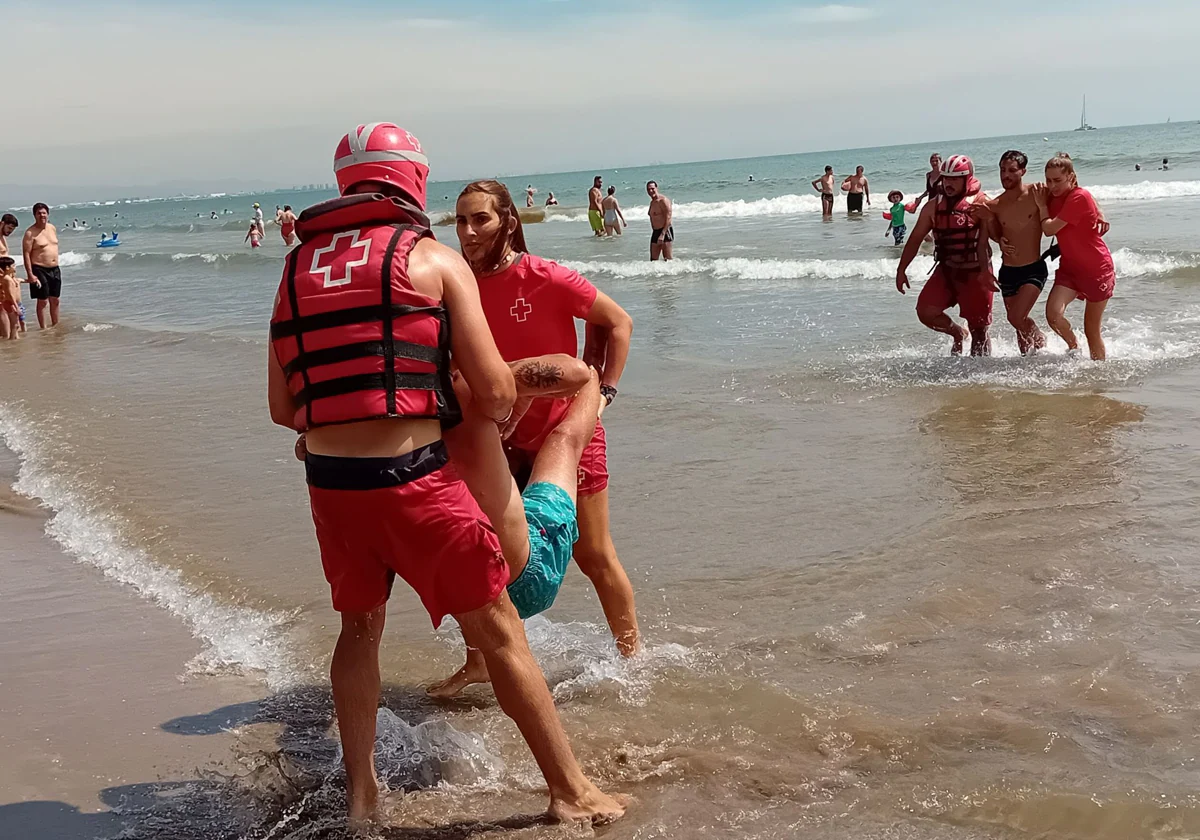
x: 597, y: 558
x: 1056, y: 317
x: 475, y: 447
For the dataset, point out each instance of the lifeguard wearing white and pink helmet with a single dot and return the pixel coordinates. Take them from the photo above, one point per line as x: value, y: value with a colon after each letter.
x: 957, y: 166
x: 383, y: 153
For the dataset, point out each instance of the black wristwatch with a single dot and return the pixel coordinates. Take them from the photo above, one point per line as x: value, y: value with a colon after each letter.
x: 609, y: 393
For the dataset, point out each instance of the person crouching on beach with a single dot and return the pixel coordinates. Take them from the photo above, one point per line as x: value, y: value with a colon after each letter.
x: 1085, y: 269
x: 370, y: 316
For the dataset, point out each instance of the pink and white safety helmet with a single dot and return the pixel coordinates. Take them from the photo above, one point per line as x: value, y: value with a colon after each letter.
x: 958, y: 166
x: 382, y: 152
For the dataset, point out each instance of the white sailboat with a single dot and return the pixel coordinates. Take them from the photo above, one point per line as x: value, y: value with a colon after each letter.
x: 1083, y: 123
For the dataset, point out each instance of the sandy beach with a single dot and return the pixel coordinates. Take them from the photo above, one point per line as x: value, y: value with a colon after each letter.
x: 93, y: 678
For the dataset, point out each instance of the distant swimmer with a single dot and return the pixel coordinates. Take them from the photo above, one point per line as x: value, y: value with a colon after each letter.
x: 614, y: 219
x: 1085, y: 269
x: 751, y: 178
x: 662, y: 229
x: 254, y: 235
x: 962, y: 274
x: 39, y: 248
x: 595, y: 212
x: 287, y: 225
x: 530, y: 192
x: 1164, y: 166
x: 1137, y: 167
x: 551, y: 201
x: 258, y: 219
x: 213, y: 215
x: 1013, y: 221
x: 8, y: 224
x: 856, y: 188
x: 824, y: 185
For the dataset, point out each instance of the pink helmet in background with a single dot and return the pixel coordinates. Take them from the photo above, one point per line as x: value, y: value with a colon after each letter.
x: 960, y: 166
x: 385, y: 153
x: 957, y: 166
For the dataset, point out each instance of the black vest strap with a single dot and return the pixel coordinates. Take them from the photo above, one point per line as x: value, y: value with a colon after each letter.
x: 368, y: 382
x: 344, y: 317
x: 349, y: 352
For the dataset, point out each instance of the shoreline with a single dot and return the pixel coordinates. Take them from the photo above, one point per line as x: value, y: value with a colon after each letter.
x: 93, y: 675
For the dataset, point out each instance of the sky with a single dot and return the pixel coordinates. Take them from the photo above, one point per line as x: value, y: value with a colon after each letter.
x: 154, y: 97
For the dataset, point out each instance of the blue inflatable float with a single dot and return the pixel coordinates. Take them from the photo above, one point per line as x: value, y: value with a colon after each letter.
x: 106, y: 242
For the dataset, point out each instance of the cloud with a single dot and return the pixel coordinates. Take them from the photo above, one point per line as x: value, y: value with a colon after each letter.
x: 832, y: 13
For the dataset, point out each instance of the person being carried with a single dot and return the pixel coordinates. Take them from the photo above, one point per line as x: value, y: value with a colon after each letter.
x: 856, y: 188
x: 1085, y: 269
x: 287, y: 225
x: 614, y: 219
x: 254, y: 235
x: 595, y: 211
x: 39, y: 248
x: 824, y: 185
x: 962, y: 273
x: 896, y: 226
x: 1012, y: 220
x: 662, y: 228
x: 370, y: 311
x: 538, y: 528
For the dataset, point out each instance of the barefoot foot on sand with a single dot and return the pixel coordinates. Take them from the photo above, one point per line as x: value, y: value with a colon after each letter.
x: 593, y: 806
x: 473, y: 673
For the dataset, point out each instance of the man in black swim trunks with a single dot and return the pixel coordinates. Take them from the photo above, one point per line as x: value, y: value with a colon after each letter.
x: 824, y: 185
x: 1013, y: 221
x: 662, y: 232
x: 39, y: 248
x: 856, y: 188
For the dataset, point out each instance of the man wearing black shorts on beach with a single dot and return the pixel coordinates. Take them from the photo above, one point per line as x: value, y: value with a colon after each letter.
x: 662, y: 233
x: 1013, y: 221
x: 39, y: 248
x: 856, y: 188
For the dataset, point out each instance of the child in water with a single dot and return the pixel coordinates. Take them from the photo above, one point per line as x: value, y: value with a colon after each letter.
x: 253, y: 236
x: 896, y: 226
x: 12, y: 316
x: 1085, y: 269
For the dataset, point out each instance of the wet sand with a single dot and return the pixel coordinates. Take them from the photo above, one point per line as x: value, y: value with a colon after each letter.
x: 91, y: 678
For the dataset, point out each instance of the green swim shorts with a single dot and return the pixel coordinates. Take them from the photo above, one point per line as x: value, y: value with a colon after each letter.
x: 553, y: 531
x: 596, y: 219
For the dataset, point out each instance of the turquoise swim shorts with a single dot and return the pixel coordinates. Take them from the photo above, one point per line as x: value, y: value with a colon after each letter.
x: 553, y: 531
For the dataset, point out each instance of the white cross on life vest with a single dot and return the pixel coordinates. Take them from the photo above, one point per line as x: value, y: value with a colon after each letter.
x: 341, y: 258
x: 520, y: 310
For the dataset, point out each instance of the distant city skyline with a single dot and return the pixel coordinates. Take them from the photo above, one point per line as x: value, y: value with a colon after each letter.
x: 203, y: 94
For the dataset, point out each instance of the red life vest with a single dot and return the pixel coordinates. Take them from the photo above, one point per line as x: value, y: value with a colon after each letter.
x: 355, y: 340
x: 956, y: 233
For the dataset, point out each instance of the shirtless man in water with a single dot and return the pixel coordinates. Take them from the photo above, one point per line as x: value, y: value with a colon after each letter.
x: 662, y: 233
x: 595, y: 212
x: 1013, y: 221
x: 39, y: 247
x: 824, y: 185
x: 856, y: 188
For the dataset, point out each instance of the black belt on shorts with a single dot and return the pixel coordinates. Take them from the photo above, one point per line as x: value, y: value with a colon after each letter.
x: 330, y: 472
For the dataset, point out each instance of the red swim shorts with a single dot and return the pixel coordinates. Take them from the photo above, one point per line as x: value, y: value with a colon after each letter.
x: 593, y: 465
x: 1091, y: 289
x: 971, y: 292
x: 410, y: 516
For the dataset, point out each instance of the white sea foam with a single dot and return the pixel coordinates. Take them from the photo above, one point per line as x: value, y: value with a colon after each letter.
x: 70, y: 258
x: 234, y: 637
x: 98, y: 327
x: 1145, y: 191
x: 432, y: 753
x: 1128, y: 263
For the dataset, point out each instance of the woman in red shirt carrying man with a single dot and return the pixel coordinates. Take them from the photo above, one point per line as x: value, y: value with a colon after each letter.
x: 531, y: 305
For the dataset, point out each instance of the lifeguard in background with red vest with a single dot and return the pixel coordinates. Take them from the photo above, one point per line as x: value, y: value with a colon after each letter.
x: 962, y: 274
x: 369, y: 314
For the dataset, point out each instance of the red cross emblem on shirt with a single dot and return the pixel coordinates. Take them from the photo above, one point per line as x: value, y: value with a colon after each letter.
x: 520, y: 310
x: 336, y: 257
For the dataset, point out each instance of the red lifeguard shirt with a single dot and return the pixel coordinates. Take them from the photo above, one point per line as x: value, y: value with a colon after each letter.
x: 1084, y: 253
x: 531, y: 309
